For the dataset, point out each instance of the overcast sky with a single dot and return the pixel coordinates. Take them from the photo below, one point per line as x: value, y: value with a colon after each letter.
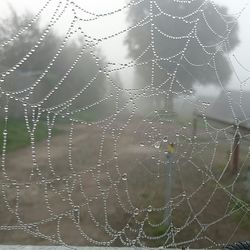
x: 114, y: 50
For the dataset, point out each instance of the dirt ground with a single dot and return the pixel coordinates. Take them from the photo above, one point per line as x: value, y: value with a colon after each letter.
x: 109, y: 187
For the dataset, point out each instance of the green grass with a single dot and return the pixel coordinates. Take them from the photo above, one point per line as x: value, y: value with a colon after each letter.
x: 18, y: 135
x: 159, y: 231
x: 87, y: 116
x: 241, y: 214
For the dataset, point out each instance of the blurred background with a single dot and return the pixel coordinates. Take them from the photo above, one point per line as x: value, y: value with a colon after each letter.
x: 124, y: 123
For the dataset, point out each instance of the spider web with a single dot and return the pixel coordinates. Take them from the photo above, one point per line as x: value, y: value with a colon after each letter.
x: 108, y: 182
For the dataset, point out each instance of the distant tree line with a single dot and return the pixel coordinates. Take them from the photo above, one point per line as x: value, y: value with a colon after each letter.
x: 86, y: 69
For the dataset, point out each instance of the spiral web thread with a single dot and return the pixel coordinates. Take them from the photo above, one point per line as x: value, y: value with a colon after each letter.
x: 119, y: 196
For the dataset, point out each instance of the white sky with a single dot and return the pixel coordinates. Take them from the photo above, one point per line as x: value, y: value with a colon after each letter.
x: 114, y: 50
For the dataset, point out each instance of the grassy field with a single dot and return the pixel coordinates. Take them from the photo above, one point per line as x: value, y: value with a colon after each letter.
x: 87, y: 116
x: 236, y: 226
x: 198, y: 211
x: 18, y: 135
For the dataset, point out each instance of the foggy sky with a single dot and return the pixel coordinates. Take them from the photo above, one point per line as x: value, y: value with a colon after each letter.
x: 115, y: 51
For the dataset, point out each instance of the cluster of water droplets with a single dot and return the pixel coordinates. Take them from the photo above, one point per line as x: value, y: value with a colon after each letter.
x: 154, y: 133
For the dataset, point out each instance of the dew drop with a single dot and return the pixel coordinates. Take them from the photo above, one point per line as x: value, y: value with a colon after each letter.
x: 149, y: 209
x: 157, y: 145
x: 136, y: 211
x: 165, y: 139
x: 76, y: 209
x: 124, y: 177
x: 27, y: 185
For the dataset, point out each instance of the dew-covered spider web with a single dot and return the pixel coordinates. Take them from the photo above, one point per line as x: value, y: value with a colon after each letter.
x: 104, y: 162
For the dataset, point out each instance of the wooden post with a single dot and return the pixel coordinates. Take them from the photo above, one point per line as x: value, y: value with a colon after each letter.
x: 236, y: 152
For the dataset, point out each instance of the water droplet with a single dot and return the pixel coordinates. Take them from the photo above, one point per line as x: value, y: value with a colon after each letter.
x: 27, y: 185
x: 157, y: 145
x: 124, y: 177
x: 76, y: 209
x: 149, y: 209
x: 206, y: 104
x: 136, y: 211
